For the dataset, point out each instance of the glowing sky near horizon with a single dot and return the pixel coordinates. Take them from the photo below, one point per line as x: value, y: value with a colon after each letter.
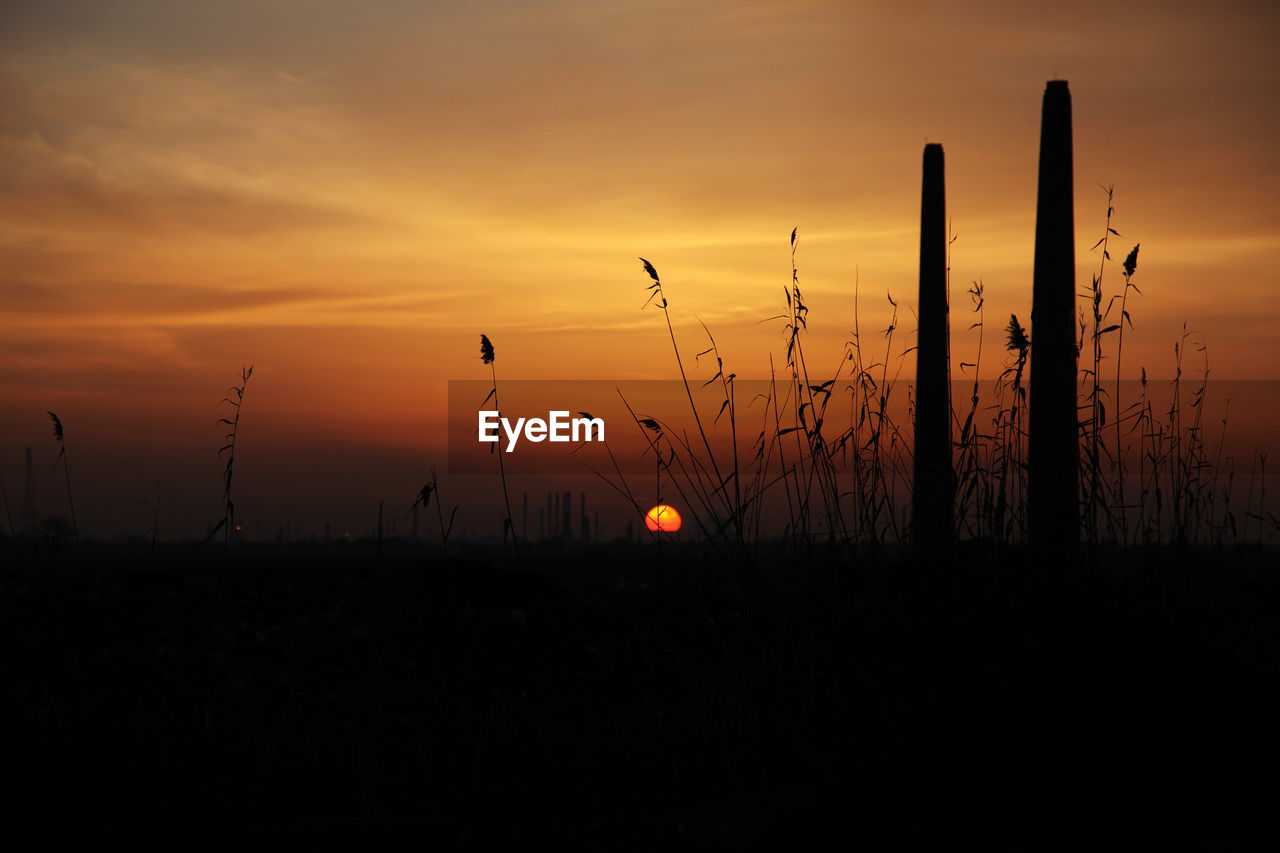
x: 347, y: 195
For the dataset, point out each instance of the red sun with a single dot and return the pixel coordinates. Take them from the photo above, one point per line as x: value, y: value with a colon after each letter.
x: 662, y: 517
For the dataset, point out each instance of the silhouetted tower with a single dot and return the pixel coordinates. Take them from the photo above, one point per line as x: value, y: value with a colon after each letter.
x: 582, y: 518
x: 29, y: 518
x: 933, y: 482
x: 1052, y: 503
x: 567, y: 515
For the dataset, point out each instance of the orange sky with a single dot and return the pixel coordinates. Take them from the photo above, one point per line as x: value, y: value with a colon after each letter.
x: 346, y: 195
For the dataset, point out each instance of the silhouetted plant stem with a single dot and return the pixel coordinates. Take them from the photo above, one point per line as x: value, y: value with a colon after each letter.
x: 487, y: 356
x: 1130, y: 266
x: 653, y: 433
x: 729, y: 404
x: 444, y: 532
x: 1012, y: 431
x: 971, y: 478
x: 818, y: 452
x: 657, y: 294
x: 66, y: 470
x: 1094, y: 502
x: 424, y: 498
x: 229, y: 518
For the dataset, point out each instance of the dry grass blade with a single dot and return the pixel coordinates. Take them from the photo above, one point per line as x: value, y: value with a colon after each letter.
x: 66, y: 470
x: 487, y: 356
x: 227, y: 523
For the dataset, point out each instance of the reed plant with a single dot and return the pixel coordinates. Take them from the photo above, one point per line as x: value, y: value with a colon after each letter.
x: 488, y: 356
x: 424, y: 500
x: 854, y: 489
x: 66, y: 471
x: 707, y: 481
x: 792, y: 454
x: 874, y: 442
x: 228, y: 521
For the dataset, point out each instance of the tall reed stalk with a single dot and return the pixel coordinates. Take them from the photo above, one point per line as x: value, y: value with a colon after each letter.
x: 727, y: 505
x: 227, y: 524
x: 66, y: 470
x: 424, y: 500
x: 487, y: 356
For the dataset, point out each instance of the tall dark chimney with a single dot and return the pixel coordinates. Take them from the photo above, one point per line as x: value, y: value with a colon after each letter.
x: 933, y: 480
x: 1052, y: 502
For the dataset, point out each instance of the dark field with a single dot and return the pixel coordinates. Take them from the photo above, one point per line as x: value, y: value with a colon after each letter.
x: 607, y: 700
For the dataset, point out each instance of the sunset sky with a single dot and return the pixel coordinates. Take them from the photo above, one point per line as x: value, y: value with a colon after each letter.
x: 346, y: 195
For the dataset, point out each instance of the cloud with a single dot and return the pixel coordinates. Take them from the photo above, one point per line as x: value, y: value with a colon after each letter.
x: 135, y: 301
x: 133, y: 148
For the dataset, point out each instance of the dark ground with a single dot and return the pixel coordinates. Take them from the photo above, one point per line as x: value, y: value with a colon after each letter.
x: 602, y: 700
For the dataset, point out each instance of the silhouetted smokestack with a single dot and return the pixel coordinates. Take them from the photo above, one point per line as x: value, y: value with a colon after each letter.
x: 1052, y: 501
x: 934, y: 488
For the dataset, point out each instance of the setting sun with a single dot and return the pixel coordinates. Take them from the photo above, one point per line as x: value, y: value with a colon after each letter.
x: 664, y: 518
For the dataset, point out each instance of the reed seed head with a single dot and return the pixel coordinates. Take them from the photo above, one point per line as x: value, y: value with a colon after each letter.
x: 648, y: 267
x: 1018, y: 341
x: 1131, y: 262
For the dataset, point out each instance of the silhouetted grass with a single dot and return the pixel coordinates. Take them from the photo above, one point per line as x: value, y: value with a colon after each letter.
x: 854, y: 489
x: 66, y: 471
x: 487, y: 356
x: 425, y: 494
x: 228, y: 522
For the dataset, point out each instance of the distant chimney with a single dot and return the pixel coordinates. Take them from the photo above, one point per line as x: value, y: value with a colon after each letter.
x: 933, y: 484
x: 1052, y: 502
